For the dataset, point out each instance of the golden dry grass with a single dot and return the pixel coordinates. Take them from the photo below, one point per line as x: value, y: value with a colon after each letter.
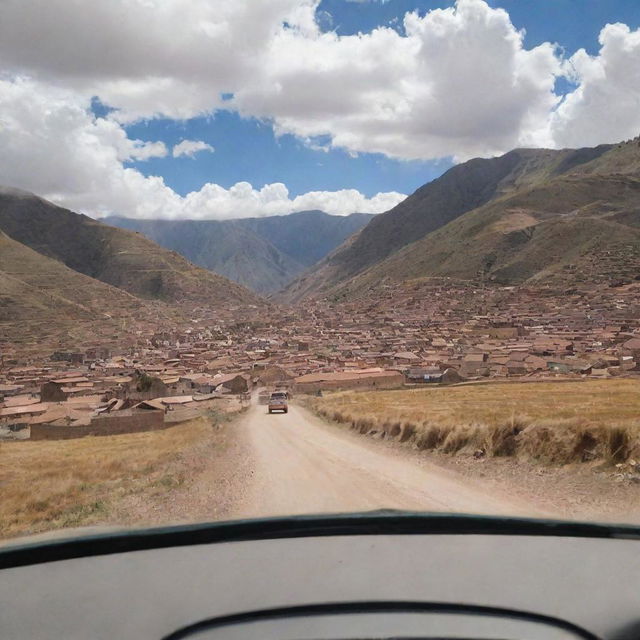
x: 66, y: 483
x: 557, y: 422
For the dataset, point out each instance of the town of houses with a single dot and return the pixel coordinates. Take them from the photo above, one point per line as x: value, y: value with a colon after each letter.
x: 432, y: 332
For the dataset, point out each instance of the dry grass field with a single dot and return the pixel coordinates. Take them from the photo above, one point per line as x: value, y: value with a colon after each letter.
x: 547, y: 421
x: 48, y: 485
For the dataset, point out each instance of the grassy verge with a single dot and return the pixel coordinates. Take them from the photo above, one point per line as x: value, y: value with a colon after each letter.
x: 48, y: 485
x: 554, y: 423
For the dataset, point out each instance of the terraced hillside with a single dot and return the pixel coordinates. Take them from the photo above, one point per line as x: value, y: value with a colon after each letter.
x: 123, y: 259
x: 44, y: 302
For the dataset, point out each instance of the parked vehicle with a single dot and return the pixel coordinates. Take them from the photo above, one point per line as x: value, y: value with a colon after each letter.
x: 279, y: 402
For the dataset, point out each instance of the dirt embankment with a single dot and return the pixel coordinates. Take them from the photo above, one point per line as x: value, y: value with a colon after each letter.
x: 203, y: 482
x: 593, y: 422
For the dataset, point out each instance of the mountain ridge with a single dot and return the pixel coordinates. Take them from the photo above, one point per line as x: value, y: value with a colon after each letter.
x: 531, y: 193
x: 117, y: 257
x: 264, y: 254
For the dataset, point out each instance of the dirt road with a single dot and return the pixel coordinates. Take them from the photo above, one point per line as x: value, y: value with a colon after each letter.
x: 302, y: 465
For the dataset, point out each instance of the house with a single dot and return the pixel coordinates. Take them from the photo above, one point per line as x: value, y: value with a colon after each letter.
x: 405, y: 357
x: 516, y: 367
x: 7, y: 390
x: 214, y: 366
x: 362, y: 379
x: 52, y: 391
x: 198, y: 383
x: 474, y: 364
x: 632, y: 347
x: 424, y: 374
x: 13, y: 414
x: 272, y: 375
x: 232, y: 382
x: 558, y: 367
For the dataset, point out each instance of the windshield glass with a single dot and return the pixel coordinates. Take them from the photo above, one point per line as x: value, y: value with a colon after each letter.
x: 314, y: 256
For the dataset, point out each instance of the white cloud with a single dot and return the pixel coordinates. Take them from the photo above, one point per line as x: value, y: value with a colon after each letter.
x: 243, y: 201
x: 54, y: 146
x: 190, y: 148
x: 456, y: 82
x: 145, y: 57
x: 140, y: 150
x: 460, y: 82
x: 605, y: 106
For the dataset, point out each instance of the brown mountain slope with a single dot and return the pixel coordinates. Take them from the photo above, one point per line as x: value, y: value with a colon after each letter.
x: 124, y: 259
x: 43, y: 303
x: 571, y: 215
x: 463, y: 188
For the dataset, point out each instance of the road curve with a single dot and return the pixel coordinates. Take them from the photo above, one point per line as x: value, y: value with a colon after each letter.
x: 302, y: 465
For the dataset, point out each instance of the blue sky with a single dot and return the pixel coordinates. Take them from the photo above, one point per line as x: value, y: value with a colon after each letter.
x: 246, y: 149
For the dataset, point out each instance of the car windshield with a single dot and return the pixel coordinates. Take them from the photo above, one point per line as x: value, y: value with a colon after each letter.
x: 266, y: 258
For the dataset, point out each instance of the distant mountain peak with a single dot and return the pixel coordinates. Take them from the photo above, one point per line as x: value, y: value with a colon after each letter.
x: 263, y: 253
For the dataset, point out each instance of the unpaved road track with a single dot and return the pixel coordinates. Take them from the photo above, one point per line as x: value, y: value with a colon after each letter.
x: 302, y: 465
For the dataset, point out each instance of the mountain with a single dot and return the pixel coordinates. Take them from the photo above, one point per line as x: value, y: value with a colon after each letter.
x: 41, y: 297
x: 120, y: 258
x: 532, y: 215
x: 264, y: 254
x: 223, y: 247
x: 307, y: 236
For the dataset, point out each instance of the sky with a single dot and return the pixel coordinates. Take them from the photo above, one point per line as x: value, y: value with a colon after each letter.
x: 216, y: 109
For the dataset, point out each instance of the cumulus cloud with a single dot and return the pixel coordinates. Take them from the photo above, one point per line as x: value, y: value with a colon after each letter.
x: 140, y: 150
x: 144, y: 57
x: 605, y: 106
x: 454, y: 82
x: 242, y: 200
x: 53, y: 145
x: 459, y: 81
x: 190, y: 148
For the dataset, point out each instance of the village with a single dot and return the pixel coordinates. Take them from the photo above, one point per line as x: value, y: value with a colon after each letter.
x: 430, y: 332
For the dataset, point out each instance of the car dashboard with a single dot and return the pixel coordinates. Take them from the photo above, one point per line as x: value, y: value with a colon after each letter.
x: 373, y: 575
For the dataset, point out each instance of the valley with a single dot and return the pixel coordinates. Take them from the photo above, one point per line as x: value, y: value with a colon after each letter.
x: 319, y: 319
x: 263, y: 254
x: 490, y: 320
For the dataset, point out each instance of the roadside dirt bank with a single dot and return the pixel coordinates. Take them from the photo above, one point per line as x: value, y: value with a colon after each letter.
x: 590, y: 491
x: 202, y: 483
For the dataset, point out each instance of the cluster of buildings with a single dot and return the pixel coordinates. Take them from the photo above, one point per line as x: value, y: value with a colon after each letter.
x: 430, y: 331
